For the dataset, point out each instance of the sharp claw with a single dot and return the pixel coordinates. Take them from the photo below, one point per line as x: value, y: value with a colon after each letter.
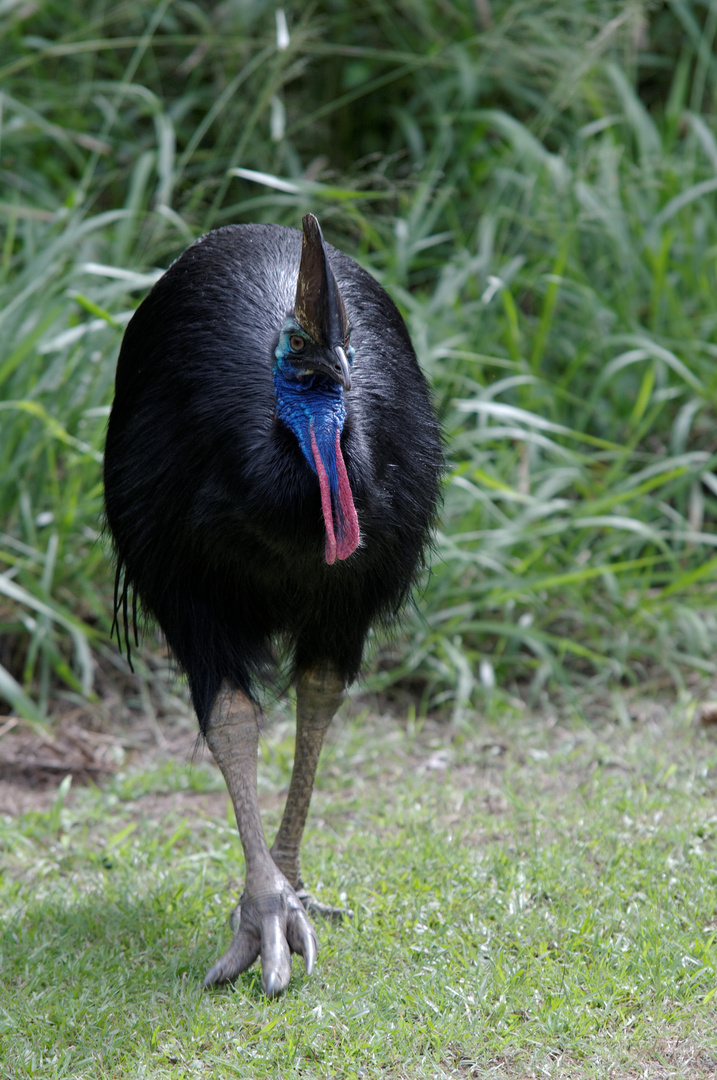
x: 214, y: 975
x: 309, y: 952
x: 302, y: 938
x: 272, y: 984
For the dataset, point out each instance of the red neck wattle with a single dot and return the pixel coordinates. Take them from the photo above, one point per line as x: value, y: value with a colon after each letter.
x: 342, y: 540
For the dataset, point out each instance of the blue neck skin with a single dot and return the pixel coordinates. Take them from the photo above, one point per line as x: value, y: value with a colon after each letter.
x: 306, y: 400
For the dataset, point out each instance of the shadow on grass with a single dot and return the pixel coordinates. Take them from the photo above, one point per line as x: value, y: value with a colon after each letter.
x: 137, y: 946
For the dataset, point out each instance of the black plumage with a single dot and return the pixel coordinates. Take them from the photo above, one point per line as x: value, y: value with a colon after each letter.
x: 216, y: 511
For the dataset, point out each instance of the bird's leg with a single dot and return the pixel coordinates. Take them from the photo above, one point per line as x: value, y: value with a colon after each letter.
x: 272, y: 919
x: 319, y: 693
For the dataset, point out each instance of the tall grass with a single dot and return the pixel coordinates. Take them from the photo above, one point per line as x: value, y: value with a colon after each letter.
x: 536, y: 187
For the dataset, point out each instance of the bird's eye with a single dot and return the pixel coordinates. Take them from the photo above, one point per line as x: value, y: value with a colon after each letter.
x: 297, y: 343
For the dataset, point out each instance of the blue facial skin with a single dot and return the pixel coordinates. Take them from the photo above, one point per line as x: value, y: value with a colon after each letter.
x: 307, y: 399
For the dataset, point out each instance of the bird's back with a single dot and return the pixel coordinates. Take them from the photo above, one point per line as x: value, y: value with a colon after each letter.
x: 215, y: 513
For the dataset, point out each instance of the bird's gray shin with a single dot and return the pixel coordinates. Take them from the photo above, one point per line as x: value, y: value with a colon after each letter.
x: 272, y: 919
x: 233, y: 738
x: 319, y: 692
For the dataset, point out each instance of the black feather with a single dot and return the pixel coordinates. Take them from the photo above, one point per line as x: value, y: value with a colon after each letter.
x: 215, y: 513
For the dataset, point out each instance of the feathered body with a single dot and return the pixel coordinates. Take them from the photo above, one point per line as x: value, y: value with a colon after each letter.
x: 213, y: 496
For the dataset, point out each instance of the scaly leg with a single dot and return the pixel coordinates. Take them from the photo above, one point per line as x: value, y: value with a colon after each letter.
x: 319, y: 692
x: 272, y: 921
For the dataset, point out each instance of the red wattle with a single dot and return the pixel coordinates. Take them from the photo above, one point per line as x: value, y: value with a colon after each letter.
x: 347, y: 518
x: 330, y: 550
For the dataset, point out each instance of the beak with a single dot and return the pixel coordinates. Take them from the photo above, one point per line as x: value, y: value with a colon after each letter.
x: 342, y: 368
x: 334, y: 363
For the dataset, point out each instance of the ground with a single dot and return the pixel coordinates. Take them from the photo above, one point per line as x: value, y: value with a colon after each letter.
x: 535, y: 890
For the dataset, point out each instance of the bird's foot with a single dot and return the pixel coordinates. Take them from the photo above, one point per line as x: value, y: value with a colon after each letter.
x: 272, y: 925
x: 312, y: 906
x: 322, y: 911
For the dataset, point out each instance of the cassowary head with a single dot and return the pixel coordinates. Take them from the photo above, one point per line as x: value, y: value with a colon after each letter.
x: 312, y: 369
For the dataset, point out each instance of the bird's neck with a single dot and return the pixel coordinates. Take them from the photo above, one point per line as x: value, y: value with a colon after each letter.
x: 314, y: 409
x: 312, y: 403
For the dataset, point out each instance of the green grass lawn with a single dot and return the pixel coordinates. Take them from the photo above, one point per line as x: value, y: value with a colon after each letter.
x: 533, y: 896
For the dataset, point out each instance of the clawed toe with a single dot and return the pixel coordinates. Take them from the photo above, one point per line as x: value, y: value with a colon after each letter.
x: 302, y: 939
x: 240, y: 955
x: 316, y: 909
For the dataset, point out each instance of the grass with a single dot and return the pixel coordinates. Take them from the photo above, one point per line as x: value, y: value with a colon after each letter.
x: 535, y: 188
x: 539, y: 899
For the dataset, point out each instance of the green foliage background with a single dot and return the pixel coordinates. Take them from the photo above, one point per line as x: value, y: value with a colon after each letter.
x: 534, y: 184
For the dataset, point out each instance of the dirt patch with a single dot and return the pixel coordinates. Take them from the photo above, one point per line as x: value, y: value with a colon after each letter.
x: 124, y: 728
x: 91, y: 742
x: 42, y: 759
x: 175, y: 805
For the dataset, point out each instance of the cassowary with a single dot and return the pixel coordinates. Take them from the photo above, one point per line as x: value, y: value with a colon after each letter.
x: 271, y: 478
